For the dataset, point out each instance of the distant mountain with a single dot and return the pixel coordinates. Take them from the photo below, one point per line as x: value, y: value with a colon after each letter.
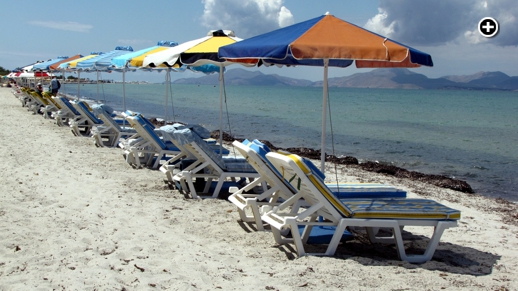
x: 245, y: 77
x: 379, y: 78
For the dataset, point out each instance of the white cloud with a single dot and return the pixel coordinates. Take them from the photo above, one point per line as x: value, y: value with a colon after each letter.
x: 246, y: 17
x: 440, y: 22
x: 377, y: 24
x: 285, y: 17
x: 71, y: 26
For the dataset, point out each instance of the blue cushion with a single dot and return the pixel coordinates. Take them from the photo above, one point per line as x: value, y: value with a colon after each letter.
x: 323, y: 234
x: 90, y: 114
x: 70, y: 107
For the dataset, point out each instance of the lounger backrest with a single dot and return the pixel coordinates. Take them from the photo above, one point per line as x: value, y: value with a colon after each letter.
x: 48, y: 96
x: 145, y: 128
x: 300, y: 177
x: 85, y: 110
x: 309, y: 165
x: 255, y: 153
x: 38, y: 97
x: 108, y: 119
x: 69, y: 105
x: 187, y: 136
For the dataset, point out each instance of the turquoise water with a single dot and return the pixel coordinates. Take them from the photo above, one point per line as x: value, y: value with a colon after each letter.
x: 470, y: 135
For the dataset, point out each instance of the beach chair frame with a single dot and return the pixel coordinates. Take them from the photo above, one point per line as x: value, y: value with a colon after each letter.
x: 351, y: 212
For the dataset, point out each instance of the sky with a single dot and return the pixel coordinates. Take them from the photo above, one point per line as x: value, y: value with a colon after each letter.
x: 447, y: 30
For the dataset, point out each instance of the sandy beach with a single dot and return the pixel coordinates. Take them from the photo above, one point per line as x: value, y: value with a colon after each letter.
x: 77, y: 217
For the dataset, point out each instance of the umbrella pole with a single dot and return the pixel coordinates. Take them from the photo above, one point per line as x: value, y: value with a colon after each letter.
x: 124, y: 90
x: 78, y: 84
x: 97, y: 73
x: 64, y: 83
x: 324, y: 118
x: 221, y: 84
x: 167, y: 81
x: 124, y: 95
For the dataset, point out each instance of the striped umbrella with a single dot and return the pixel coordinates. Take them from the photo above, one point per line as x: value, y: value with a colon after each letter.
x: 325, y: 41
x: 200, y: 55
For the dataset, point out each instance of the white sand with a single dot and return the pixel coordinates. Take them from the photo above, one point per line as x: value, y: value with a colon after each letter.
x: 77, y: 217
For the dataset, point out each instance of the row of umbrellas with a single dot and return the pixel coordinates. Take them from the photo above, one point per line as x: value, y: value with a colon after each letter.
x: 324, y: 41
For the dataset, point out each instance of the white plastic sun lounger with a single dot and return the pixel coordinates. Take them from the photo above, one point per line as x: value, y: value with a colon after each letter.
x: 249, y: 204
x: 391, y: 213
x: 209, y: 166
x: 148, y: 148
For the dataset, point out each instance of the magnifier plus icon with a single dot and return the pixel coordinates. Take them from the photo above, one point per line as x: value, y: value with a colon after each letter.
x: 488, y: 27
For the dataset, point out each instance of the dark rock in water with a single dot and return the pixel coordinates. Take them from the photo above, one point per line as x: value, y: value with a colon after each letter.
x: 156, y: 122
x: 347, y: 160
x: 269, y: 144
x: 226, y: 136
x: 305, y: 152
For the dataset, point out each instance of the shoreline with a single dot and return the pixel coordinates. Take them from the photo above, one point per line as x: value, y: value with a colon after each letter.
x: 79, y: 217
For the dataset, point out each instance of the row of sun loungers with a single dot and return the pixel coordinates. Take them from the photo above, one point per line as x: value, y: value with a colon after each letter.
x: 279, y: 191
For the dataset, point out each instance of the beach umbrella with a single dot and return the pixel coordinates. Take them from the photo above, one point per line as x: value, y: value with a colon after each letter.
x: 102, y: 62
x: 32, y: 75
x: 325, y: 41
x: 55, y: 66
x: 72, y: 66
x: 133, y: 60
x: 41, y: 68
x: 199, y: 55
x: 45, y: 66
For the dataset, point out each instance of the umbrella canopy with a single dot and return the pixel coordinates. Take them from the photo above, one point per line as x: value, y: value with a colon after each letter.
x: 55, y: 66
x: 325, y: 37
x: 135, y: 59
x: 325, y: 41
x: 102, y: 62
x: 34, y: 75
x: 45, y: 66
x: 198, y: 52
x: 27, y: 68
x: 72, y: 64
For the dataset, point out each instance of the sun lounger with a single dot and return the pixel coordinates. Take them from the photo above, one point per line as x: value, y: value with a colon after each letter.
x: 392, y: 213
x: 53, y: 106
x: 66, y: 113
x: 23, y: 94
x: 147, y: 147
x: 249, y: 204
x: 111, y: 131
x: 209, y: 165
x: 82, y: 124
x: 36, y: 103
x: 173, y: 165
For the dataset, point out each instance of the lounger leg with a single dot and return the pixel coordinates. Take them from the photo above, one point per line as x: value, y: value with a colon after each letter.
x: 439, y: 226
x: 430, y: 248
x: 192, y: 189
x: 297, y: 239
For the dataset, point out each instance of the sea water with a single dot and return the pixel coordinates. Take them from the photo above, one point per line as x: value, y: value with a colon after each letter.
x: 469, y: 135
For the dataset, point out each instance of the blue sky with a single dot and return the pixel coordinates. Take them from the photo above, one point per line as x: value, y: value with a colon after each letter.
x: 38, y: 30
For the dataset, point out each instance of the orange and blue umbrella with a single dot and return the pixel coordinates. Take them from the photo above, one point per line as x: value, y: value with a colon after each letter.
x: 325, y: 38
x: 44, y: 66
x: 55, y: 65
x: 325, y: 41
